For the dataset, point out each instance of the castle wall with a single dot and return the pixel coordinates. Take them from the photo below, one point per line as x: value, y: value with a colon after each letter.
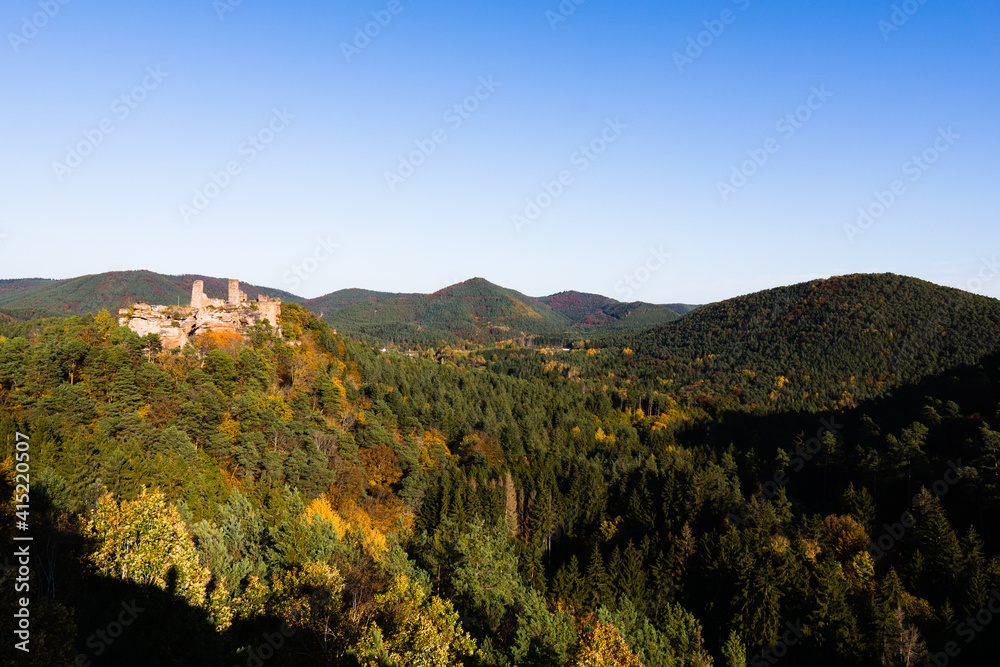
x: 176, y: 325
x: 269, y: 310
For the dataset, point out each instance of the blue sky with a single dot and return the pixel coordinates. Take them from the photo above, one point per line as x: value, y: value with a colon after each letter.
x: 667, y: 152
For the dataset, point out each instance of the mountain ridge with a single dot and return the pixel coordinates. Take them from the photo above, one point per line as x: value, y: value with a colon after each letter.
x: 111, y: 290
x: 473, y: 310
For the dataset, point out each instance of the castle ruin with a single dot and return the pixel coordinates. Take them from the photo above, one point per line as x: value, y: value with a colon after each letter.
x: 175, y: 325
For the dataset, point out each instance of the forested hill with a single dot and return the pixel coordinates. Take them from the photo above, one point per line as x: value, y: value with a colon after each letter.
x: 589, y: 312
x: 20, y: 284
x: 474, y: 310
x: 478, y: 311
x: 333, y: 301
x: 112, y: 290
x: 822, y: 343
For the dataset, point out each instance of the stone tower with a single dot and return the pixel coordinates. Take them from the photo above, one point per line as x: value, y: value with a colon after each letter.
x: 198, y: 298
x: 270, y: 309
x: 234, y: 292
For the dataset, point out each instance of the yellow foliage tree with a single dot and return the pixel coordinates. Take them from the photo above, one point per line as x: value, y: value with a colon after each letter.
x: 227, y: 341
x: 415, y: 631
x: 601, y: 645
x: 229, y: 427
x: 311, y: 597
x: 382, y: 467
x: 105, y: 322
x: 863, y: 567
x: 146, y: 541
x: 224, y: 607
x: 276, y: 403
x: 320, y: 507
x: 846, y: 535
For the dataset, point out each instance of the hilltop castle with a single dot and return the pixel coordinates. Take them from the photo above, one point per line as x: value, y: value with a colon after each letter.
x: 176, y: 324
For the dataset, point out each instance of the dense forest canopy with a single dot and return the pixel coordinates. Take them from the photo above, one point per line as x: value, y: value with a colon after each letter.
x: 807, y: 475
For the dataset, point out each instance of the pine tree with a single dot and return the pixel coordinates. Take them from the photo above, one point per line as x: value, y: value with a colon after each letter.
x: 539, y: 527
x: 988, y: 462
x: 974, y: 577
x: 600, y: 592
x: 125, y: 395
x: 939, y: 545
x: 630, y: 576
x: 833, y: 624
x: 174, y: 440
x: 568, y: 585
x: 890, y: 596
x: 734, y: 651
x: 757, y: 600
x: 860, y: 505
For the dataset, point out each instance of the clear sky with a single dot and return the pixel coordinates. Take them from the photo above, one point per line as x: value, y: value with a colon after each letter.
x: 700, y: 149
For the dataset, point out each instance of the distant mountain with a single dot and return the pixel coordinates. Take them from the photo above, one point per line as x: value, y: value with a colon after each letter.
x: 479, y: 311
x: 20, y: 284
x: 334, y: 301
x: 593, y: 311
x: 112, y: 290
x: 681, y: 308
x: 474, y: 310
x: 847, y: 336
x: 578, y: 306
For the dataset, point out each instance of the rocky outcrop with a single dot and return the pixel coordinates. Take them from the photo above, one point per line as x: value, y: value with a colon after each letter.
x: 175, y: 325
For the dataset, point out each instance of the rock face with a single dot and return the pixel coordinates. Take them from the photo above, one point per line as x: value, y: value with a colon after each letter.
x: 176, y: 324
